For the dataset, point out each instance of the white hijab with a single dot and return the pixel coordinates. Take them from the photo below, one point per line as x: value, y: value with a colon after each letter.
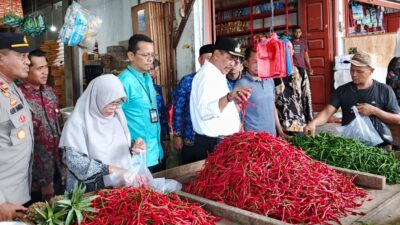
x: 103, y: 138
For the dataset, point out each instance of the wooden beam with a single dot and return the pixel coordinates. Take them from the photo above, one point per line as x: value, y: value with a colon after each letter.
x: 384, y: 3
x: 229, y: 212
x: 68, y: 63
x: 182, y: 24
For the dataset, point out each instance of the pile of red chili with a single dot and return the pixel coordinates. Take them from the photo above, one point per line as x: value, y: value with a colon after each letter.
x: 265, y: 175
x: 144, y: 206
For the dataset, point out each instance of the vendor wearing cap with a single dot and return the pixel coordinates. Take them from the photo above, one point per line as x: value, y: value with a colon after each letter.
x: 213, y: 108
x: 371, y: 98
x: 16, y: 142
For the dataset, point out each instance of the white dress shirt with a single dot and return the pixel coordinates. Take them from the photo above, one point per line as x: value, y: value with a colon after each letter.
x: 208, y: 86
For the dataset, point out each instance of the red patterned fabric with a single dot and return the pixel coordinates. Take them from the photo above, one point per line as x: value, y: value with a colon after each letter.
x: 45, y: 116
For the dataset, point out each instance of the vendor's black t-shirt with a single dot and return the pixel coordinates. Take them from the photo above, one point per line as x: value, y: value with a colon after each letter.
x: 379, y: 95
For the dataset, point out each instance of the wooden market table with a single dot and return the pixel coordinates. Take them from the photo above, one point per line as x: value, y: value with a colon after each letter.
x: 382, y: 209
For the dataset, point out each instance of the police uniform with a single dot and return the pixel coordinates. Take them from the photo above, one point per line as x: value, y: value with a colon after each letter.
x: 16, y: 139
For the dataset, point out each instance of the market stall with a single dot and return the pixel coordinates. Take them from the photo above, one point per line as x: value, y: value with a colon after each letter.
x: 254, y: 178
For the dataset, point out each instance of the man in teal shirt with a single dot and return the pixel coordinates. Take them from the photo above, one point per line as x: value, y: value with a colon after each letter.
x: 140, y: 107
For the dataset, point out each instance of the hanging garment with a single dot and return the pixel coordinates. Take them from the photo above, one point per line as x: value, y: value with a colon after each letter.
x: 289, y: 56
x: 271, y: 58
x: 293, y: 102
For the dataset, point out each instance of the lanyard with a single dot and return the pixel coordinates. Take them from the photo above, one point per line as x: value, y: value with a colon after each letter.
x: 144, y: 88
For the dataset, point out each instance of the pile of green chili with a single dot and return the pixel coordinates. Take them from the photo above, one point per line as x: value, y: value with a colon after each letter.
x: 350, y: 154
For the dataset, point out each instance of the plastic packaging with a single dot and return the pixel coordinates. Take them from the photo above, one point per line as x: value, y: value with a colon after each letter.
x: 80, y: 27
x: 361, y: 129
x: 12, y: 19
x: 34, y: 25
x: 140, y: 176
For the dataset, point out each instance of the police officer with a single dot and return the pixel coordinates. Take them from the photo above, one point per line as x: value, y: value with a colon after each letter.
x: 16, y: 132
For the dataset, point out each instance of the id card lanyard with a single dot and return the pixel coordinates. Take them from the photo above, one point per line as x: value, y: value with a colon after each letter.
x: 153, y: 112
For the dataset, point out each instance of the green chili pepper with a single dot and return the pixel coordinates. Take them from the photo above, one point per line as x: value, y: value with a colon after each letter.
x: 351, y: 154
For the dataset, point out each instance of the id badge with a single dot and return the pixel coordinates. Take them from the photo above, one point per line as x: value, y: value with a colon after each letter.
x: 153, y: 115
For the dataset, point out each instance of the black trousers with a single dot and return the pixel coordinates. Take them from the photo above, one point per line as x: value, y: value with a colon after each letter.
x: 188, y: 152
x: 203, y: 145
x: 159, y: 167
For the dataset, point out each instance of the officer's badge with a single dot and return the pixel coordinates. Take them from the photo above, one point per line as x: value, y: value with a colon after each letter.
x: 13, y: 101
x: 22, y: 118
x: 21, y: 134
x: 7, y: 94
x: 4, y: 87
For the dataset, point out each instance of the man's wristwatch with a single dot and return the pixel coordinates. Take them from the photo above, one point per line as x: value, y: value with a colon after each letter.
x: 227, y: 97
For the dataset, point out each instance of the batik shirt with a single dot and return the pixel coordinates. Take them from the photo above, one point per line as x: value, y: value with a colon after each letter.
x: 181, y: 121
x: 162, y: 113
x: 47, y: 129
x: 293, y: 102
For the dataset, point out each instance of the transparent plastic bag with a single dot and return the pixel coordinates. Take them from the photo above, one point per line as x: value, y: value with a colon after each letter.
x: 163, y: 185
x: 361, y: 129
x: 80, y: 27
x: 114, y: 180
x: 139, y: 175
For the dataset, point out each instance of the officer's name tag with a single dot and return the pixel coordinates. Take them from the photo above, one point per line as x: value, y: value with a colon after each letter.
x: 153, y: 115
x: 16, y: 109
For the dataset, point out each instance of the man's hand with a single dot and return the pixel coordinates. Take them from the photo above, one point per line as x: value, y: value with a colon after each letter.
x: 239, y: 94
x: 178, y: 143
x: 47, y: 192
x: 310, y: 129
x: 284, y: 136
x: 310, y: 72
x: 10, y: 211
x: 366, y: 109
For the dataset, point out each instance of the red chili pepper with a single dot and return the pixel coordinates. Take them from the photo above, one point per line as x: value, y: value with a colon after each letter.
x: 265, y: 175
x: 143, y: 206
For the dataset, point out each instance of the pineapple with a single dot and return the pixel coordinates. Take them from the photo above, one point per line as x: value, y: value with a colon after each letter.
x: 32, y: 213
x: 49, y: 216
x: 75, y: 203
x: 55, y: 199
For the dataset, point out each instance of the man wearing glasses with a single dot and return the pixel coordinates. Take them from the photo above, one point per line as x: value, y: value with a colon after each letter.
x: 140, y: 107
x: 213, y: 107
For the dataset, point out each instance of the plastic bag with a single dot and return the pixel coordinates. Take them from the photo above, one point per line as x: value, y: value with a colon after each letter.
x: 163, y: 185
x: 114, y: 180
x: 12, y: 19
x: 140, y: 175
x: 361, y: 129
x: 80, y: 27
x: 34, y: 25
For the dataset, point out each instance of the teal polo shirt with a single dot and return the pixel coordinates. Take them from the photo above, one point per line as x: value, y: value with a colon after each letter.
x: 139, y: 90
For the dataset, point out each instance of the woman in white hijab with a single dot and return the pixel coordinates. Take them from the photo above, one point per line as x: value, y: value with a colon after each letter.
x: 95, y: 139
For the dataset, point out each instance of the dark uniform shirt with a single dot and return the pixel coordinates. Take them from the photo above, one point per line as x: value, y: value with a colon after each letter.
x: 46, y: 117
x: 379, y: 95
x: 16, y: 144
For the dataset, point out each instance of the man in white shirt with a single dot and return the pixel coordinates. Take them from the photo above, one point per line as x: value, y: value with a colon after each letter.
x: 213, y: 108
